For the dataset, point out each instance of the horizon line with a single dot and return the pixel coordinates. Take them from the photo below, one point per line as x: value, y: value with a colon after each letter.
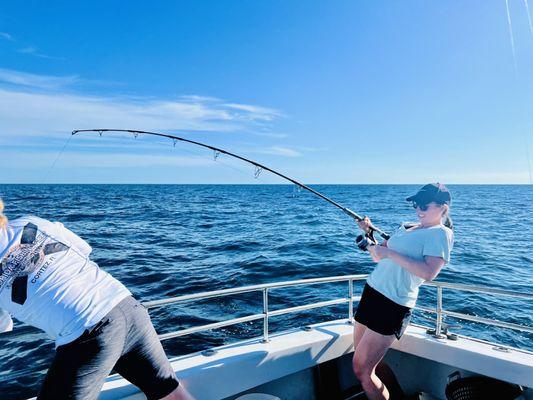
x: 259, y: 184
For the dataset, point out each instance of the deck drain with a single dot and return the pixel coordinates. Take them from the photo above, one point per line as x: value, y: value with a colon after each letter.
x: 209, y: 352
x: 502, y: 349
x: 306, y: 328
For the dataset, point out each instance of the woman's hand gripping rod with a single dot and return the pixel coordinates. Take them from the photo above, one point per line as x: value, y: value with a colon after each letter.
x: 368, y: 239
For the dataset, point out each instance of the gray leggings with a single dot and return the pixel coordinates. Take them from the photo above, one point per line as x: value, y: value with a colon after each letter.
x: 124, y: 340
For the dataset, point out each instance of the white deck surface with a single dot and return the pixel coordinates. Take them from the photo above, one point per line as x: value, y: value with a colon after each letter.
x: 244, y: 365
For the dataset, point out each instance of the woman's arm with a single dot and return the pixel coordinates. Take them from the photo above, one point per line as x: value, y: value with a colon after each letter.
x: 427, y: 269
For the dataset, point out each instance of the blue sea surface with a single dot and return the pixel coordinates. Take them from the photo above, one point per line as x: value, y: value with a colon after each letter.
x: 170, y: 240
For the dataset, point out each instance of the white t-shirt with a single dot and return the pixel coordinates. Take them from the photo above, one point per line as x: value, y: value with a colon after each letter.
x: 47, y: 280
x: 396, y: 282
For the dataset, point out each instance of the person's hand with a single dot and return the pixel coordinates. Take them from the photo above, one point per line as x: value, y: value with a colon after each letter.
x: 378, y: 252
x: 365, y: 224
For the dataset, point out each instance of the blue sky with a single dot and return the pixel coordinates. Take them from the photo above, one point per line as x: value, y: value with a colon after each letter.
x: 326, y: 92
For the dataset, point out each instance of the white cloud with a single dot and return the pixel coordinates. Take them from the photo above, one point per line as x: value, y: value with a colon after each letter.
x: 272, y: 135
x: 33, y: 104
x: 37, y: 113
x: 280, y: 151
x: 27, y: 50
x: 36, y: 81
x: 34, y: 52
x: 195, y: 98
x: 44, y: 113
x: 6, y: 36
x: 267, y: 114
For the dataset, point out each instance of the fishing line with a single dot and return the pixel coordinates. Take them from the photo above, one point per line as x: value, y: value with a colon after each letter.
x: 511, y: 36
x: 526, y: 4
x: 57, y: 158
x: 528, y: 17
x: 363, y: 241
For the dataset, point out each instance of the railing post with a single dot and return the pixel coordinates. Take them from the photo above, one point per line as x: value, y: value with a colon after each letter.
x: 350, y: 301
x: 265, y: 318
x: 438, y: 327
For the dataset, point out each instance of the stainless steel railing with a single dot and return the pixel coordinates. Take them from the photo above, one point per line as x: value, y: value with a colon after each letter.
x: 476, y: 289
x: 267, y: 313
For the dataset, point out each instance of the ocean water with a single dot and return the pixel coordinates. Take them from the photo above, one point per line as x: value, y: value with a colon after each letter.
x: 170, y: 240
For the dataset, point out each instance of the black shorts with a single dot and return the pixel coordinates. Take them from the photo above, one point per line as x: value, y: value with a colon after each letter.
x: 124, y: 340
x: 382, y: 315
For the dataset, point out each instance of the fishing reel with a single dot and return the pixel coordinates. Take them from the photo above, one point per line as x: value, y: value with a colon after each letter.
x: 363, y: 241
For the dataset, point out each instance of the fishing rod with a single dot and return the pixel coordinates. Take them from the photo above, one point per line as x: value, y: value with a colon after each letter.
x: 362, y: 241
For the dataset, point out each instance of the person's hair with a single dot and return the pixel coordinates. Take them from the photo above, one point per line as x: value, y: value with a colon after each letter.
x: 447, y: 219
x: 3, y: 218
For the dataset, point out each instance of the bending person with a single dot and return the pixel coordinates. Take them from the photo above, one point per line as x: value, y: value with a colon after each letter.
x: 47, y: 280
x: 411, y: 256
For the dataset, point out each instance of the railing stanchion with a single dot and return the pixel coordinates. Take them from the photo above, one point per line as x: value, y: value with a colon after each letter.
x: 350, y: 301
x: 265, y: 318
x: 438, y: 327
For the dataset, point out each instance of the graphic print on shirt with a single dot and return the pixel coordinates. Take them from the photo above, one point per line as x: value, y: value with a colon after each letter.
x: 25, y: 258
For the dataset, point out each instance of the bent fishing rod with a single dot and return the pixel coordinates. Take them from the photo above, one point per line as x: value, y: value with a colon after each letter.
x: 362, y: 241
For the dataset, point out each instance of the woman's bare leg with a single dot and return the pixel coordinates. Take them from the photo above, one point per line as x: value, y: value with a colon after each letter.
x: 358, y: 331
x: 368, y: 353
x: 383, y: 371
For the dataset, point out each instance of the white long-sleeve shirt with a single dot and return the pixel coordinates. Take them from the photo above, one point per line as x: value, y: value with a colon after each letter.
x: 47, y: 280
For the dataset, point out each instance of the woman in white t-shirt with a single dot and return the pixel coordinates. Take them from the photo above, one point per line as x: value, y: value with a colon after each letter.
x: 411, y: 256
x: 47, y: 280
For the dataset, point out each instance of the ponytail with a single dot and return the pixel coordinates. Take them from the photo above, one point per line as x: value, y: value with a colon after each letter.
x: 447, y: 220
x: 3, y: 218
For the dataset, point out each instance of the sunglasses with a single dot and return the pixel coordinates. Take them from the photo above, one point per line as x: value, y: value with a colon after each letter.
x: 423, y: 207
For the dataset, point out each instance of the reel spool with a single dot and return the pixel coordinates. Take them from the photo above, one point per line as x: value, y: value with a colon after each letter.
x: 363, y: 241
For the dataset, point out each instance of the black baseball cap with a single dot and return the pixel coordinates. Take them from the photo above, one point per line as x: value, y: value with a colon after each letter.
x: 432, y: 192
